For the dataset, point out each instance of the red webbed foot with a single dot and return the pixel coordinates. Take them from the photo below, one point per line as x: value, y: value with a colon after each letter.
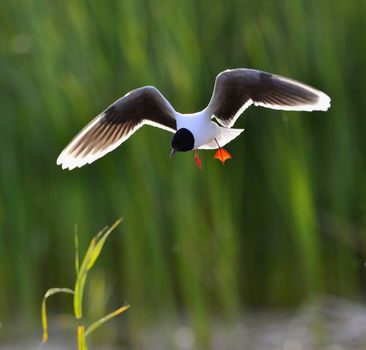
x: 222, y: 155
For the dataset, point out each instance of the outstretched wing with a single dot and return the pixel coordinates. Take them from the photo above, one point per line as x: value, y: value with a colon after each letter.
x: 235, y: 90
x: 116, y: 124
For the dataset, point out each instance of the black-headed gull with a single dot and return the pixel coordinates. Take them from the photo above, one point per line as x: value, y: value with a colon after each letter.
x: 234, y: 91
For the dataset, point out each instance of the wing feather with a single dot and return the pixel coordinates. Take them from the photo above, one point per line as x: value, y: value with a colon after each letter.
x: 116, y: 124
x: 235, y: 90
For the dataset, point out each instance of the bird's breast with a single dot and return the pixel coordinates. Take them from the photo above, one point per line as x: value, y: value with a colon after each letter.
x: 203, y: 129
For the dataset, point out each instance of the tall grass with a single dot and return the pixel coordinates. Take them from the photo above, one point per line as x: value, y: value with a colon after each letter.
x: 204, y: 244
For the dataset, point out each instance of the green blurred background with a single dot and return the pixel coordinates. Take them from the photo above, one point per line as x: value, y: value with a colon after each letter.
x: 280, y: 223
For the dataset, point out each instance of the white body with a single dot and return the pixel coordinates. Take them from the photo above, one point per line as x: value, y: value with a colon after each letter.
x: 200, y: 125
x: 207, y: 134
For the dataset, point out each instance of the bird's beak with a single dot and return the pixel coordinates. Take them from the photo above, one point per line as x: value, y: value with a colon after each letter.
x: 173, y: 152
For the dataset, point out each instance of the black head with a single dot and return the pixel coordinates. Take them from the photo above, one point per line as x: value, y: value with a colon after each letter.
x: 183, y: 141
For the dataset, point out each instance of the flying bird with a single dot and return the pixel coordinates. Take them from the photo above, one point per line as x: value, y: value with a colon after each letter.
x: 234, y: 91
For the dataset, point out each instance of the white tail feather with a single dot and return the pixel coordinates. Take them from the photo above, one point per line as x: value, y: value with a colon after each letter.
x: 224, y: 136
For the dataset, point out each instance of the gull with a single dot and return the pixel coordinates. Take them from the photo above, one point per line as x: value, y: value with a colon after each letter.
x: 234, y: 91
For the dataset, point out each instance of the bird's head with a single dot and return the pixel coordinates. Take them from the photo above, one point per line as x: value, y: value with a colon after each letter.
x: 183, y: 141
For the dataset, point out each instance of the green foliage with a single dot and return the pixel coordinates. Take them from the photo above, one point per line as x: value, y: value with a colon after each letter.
x: 50, y: 292
x: 91, y: 256
x: 261, y: 231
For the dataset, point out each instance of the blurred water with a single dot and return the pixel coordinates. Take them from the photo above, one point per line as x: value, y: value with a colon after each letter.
x: 326, y: 324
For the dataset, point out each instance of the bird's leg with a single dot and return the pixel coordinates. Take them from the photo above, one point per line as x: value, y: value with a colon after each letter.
x: 198, y: 160
x: 221, y: 154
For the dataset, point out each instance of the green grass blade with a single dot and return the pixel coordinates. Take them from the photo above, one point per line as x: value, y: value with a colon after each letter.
x: 92, y: 254
x: 104, y: 319
x: 81, y: 279
x: 50, y: 292
x: 78, y: 297
x: 99, y: 245
x: 76, y: 240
